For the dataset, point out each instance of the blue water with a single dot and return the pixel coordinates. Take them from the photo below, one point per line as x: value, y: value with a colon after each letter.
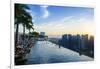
x: 47, y: 52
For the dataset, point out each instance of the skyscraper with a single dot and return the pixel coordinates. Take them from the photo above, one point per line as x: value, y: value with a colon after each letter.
x: 42, y: 33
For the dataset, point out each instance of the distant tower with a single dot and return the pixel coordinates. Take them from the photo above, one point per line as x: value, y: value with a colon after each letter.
x: 64, y: 40
x: 42, y: 33
x: 64, y: 37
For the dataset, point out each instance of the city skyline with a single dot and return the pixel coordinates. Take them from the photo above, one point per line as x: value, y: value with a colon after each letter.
x: 59, y: 20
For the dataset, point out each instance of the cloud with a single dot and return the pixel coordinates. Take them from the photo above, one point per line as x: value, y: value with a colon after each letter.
x: 65, y: 19
x: 50, y: 27
x: 45, y: 11
x: 66, y: 25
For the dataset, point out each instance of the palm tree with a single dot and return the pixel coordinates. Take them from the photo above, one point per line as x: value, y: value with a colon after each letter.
x: 29, y: 27
x: 35, y: 34
x: 27, y: 19
x: 20, y: 16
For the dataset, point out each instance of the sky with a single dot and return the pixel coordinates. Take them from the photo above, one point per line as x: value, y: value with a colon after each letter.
x: 59, y: 20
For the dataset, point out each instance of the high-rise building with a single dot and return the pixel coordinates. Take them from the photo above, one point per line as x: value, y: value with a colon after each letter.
x: 42, y: 36
x: 42, y: 33
x: 64, y: 36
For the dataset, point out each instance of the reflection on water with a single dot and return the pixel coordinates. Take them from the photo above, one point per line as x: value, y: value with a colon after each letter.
x: 47, y: 52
